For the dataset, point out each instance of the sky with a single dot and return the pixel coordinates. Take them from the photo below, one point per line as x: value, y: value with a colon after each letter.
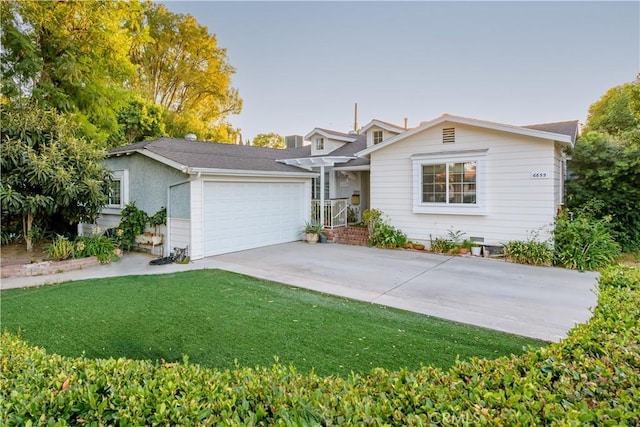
x: 301, y: 65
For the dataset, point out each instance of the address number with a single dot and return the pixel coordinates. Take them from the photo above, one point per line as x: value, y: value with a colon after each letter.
x: 540, y: 175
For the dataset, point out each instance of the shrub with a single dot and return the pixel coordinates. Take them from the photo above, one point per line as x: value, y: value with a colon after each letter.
x: 60, y: 249
x: 620, y: 276
x: 584, y: 242
x: 592, y: 377
x: 370, y: 217
x: 528, y: 252
x: 607, y: 168
x: 101, y: 247
x: 387, y: 236
x: 381, y: 233
x: 133, y: 222
x: 442, y: 246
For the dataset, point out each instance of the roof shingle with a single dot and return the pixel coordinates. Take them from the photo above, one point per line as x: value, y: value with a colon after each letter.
x: 212, y: 155
x: 564, y: 128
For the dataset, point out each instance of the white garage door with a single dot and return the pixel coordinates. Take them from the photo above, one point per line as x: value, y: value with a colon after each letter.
x: 245, y: 215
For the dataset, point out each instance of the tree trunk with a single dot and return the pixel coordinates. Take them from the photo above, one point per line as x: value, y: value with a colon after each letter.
x: 27, y: 222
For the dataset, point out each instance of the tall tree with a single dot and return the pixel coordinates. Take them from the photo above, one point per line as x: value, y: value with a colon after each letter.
x: 606, y: 162
x: 183, y: 70
x: 138, y: 120
x: 73, y: 56
x: 618, y: 111
x: 47, y: 170
x: 271, y: 140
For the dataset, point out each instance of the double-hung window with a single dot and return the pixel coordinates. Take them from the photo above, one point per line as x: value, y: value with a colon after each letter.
x: 115, y: 193
x: 449, y: 183
x: 118, y: 188
x: 377, y: 136
x: 319, y: 144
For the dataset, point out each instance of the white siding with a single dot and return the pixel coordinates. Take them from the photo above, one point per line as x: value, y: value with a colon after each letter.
x: 385, y: 134
x: 558, y: 176
x: 180, y: 233
x: 196, y: 248
x: 329, y: 145
x: 516, y: 204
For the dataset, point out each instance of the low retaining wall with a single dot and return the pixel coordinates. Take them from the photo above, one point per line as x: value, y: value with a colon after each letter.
x: 47, y: 267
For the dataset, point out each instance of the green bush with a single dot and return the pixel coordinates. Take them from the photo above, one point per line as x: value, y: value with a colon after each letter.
x: 60, y: 249
x: 101, y: 247
x: 370, y: 218
x: 584, y: 242
x: 442, y: 246
x: 528, y: 252
x: 132, y: 223
x: 607, y: 168
x: 387, y: 236
x: 592, y: 377
x: 381, y: 233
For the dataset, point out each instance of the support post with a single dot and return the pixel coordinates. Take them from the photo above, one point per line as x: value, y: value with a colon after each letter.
x: 322, y: 195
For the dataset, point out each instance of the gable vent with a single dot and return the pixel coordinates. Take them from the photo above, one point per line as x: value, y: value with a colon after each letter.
x: 448, y: 135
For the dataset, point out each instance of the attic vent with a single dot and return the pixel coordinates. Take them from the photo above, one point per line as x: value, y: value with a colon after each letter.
x: 448, y: 135
x: 191, y: 137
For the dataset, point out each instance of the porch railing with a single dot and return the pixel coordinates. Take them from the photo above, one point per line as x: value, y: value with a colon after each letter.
x: 335, y: 212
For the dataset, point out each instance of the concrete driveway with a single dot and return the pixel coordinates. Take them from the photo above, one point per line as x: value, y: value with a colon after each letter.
x: 538, y: 302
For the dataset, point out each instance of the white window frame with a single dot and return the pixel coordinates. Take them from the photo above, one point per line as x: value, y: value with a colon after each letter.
x: 374, y: 134
x: 477, y: 156
x: 123, y: 177
x: 319, y: 143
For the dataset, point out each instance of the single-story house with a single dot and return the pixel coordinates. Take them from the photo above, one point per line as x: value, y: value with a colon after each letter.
x: 492, y: 181
x: 219, y: 197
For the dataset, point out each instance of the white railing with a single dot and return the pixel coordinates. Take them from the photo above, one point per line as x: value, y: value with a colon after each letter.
x: 335, y: 212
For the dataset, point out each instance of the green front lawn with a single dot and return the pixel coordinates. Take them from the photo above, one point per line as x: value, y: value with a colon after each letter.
x: 219, y: 318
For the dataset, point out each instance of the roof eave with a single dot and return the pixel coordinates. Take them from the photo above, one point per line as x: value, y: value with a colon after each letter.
x: 557, y: 137
x: 157, y: 157
x: 329, y: 136
x: 254, y: 173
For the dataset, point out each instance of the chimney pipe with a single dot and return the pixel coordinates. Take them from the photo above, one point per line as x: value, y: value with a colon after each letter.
x: 405, y: 123
x: 355, y: 118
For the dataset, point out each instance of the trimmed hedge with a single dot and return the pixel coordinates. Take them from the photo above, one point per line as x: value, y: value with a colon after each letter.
x: 591, y: 377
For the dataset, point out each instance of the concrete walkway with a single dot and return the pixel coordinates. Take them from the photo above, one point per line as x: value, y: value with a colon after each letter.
x: 538, y: 302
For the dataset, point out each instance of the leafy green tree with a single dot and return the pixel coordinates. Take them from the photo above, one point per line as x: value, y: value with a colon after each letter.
x: 606, y: 172
x: 47, y: 170
x: 271, y: 140
x: 73, y: 56
x: 618, y: 111
x: 183, y: 70
x: 138, y: 120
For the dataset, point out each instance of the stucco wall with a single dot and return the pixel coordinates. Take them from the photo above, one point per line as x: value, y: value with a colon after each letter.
x: 516, y: 204
x: 148, y: 181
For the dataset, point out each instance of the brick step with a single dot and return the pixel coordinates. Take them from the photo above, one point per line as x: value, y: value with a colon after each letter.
x: 357, y: 236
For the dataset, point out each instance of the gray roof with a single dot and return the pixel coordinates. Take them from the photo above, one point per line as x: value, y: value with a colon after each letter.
x: 213, y: 155
x: 564, y: 128
x: 349, y: 149
x: 338, y: 134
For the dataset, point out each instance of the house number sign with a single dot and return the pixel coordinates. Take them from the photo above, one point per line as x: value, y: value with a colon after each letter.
x: 540, y: 175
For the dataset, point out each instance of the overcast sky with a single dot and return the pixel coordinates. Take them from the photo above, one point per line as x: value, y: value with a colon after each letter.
x: 301, y: 65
